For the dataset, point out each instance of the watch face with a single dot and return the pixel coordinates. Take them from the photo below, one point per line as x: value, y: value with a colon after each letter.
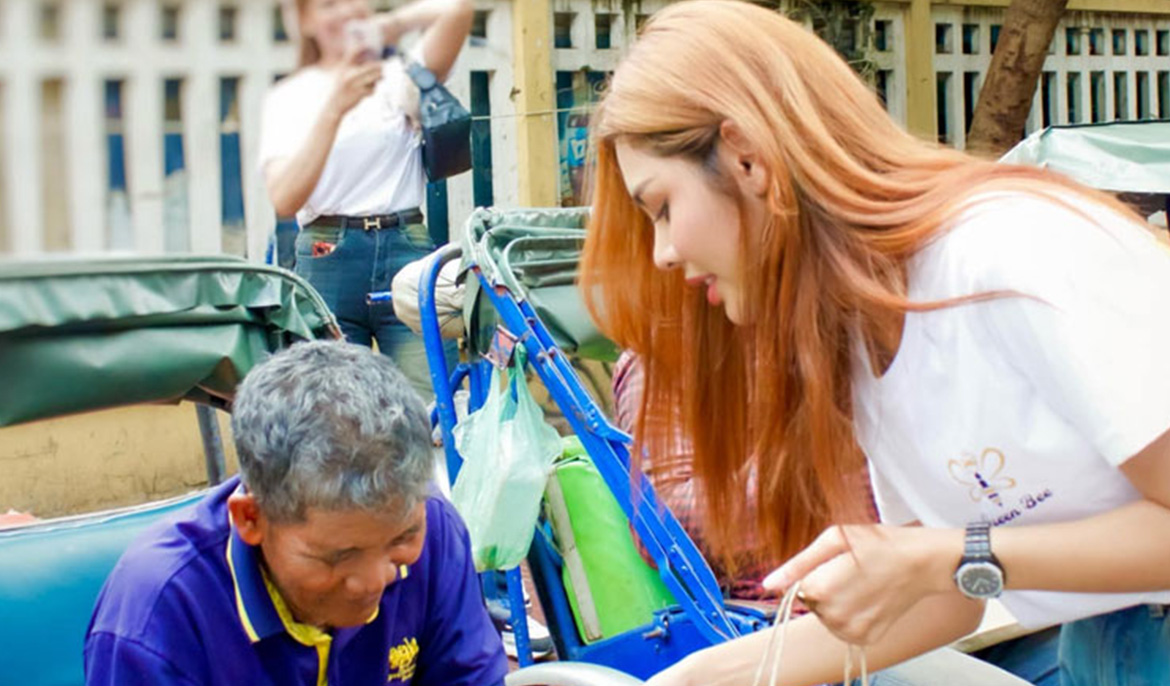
x: 980, y: 580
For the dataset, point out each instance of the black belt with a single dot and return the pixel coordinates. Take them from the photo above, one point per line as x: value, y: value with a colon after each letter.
x: 373, y: 222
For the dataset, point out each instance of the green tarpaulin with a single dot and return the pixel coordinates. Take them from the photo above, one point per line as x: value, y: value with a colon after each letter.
x: 86, y: 334
x: 1121, y: 156
x: 534, y: 254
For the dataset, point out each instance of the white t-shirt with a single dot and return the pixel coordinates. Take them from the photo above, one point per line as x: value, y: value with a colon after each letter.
x: 375, y: 165
x: 1019, y: 410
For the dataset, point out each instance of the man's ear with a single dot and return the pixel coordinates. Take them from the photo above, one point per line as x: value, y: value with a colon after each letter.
x: 247, y: 517
x: 741, y: 156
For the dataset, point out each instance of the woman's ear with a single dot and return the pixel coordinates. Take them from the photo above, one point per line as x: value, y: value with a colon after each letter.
x: 742, y: 158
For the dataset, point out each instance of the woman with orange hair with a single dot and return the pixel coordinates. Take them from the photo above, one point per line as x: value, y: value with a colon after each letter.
x: 987, y: 337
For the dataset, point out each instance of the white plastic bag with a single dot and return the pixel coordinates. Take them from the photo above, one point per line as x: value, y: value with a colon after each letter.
x: 508, y: 452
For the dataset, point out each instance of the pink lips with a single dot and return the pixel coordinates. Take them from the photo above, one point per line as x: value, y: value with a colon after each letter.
x: 708, y: 280
x: 713, y: 297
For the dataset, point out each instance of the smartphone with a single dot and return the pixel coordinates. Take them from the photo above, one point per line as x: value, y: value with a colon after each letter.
x: 366, y: 36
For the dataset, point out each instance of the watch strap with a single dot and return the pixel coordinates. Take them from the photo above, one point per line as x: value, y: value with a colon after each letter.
x: 977, y: 542
x: 977, y: 546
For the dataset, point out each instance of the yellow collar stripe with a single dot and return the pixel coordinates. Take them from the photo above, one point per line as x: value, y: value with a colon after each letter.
x: 247, y: 623
x: 305, y: 634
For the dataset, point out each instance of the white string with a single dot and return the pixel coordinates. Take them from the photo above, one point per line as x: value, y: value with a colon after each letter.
x: 776, y: 639
x: 849, y: 653
x: 534, y: 113
x: 779, y: 633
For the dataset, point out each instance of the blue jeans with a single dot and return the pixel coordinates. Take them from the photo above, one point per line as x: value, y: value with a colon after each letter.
x: 352, y: 263
x: 1129, y: 647
x: 1034, y: 657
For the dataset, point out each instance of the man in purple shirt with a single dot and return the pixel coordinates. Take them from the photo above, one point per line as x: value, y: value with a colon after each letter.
x: 329, y: 561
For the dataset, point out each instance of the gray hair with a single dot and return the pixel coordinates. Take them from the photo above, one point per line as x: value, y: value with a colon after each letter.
x: 334, y: 426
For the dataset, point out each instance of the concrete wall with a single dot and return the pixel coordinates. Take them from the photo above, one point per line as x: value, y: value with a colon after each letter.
x: 104, y: 459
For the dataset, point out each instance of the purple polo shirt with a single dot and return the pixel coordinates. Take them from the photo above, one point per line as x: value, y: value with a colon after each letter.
x: 174, y: 611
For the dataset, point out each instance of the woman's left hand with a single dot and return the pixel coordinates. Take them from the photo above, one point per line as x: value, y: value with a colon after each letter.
x: 860, y: 579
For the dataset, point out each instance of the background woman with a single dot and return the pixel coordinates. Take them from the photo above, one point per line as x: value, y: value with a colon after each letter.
x: 340, y: 149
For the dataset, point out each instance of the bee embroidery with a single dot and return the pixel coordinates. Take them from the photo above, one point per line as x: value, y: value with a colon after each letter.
x: 403, y: 660
x: 982, y: 475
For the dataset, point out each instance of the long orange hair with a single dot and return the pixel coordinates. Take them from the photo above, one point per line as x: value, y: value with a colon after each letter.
x: 852, y: 196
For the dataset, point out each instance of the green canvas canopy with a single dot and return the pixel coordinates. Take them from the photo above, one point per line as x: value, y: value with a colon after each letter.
x: 534, y: 254
x: 1119, y: 156
x: 86, y: 334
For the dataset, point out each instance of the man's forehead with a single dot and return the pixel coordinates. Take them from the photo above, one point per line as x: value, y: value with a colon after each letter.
x: 345, y: 528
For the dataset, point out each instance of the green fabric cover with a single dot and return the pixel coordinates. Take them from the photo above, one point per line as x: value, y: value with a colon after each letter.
x: 534, y: 254
x: 623, y: 590
x: 1121, y: 156
x: 80, y: 335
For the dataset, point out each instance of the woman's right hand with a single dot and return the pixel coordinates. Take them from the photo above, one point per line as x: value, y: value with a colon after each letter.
x: 356, y: 79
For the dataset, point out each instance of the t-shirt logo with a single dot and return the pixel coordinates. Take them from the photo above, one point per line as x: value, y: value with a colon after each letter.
x: 981, y: 475
x: 403, y: 660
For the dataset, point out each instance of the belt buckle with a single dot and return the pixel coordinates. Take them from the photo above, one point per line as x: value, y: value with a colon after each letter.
x: 371, y: 223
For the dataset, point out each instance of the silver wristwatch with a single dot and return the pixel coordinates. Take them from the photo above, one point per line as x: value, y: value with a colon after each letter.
x: 979, y: 574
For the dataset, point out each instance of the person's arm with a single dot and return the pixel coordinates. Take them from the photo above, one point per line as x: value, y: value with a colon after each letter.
x: 863, y: 578
x: 291, y: 180
x: 812, y: 655
x: 1127, y: 549
x: 115, y: 661
x: 444, y: 23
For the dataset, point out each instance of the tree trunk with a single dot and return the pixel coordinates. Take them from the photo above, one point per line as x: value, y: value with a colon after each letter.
x: 1015, y: 68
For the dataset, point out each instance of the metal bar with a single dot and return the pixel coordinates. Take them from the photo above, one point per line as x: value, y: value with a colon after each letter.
x: 571, y: 674
x: 454, y: 459
x: 681, y: 565
x: 441, y: 378
x: 519, y: 617
x: 212, y: 445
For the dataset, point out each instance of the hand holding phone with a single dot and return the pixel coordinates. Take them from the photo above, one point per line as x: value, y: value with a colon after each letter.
x: 364, y: 36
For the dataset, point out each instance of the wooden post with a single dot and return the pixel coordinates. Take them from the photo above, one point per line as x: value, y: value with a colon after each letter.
x: 920, y: 97
x: 536, y: 149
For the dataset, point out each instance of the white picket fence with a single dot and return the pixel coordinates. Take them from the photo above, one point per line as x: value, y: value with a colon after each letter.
x: 55, y: 62
x: 56, y: 57
x: 81, y: 60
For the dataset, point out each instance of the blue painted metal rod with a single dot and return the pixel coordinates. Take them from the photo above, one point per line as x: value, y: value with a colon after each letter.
x: 681, y: 566
x: 443, y: 380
